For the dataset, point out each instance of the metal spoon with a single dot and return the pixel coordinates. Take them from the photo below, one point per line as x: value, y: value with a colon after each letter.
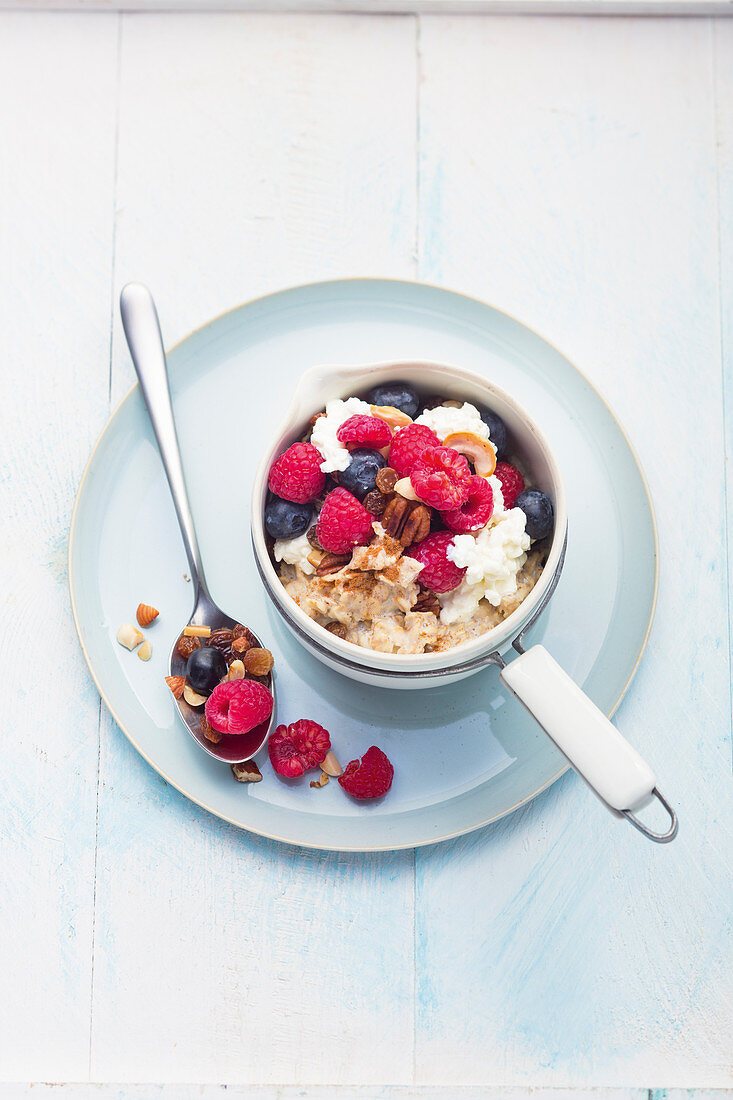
x: 142, y: 330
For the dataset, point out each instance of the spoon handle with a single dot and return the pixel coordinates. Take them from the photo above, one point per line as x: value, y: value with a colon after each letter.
x: 142, y: 330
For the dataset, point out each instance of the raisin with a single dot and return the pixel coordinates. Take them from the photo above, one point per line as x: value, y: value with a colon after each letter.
x: 387, y: 478
x: 209, y: 733
x: 222, y: 640
x: 258, y: 662
x: 375, y: 502
x: 186, y: 646
x: 338, y: 629
x: 313, y: 537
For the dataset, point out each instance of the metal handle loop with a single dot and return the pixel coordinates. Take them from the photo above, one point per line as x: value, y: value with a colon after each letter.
x: 658, y: 838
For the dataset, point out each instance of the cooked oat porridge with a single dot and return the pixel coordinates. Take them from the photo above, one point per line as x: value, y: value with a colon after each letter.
x: 406, y: 525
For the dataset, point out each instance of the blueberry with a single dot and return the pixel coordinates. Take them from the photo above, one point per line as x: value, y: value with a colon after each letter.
x: 497, y: 431
x: 360, y: 476
x: 285, y: 520
x: 537, y: 507
x: 397, y: 394
x: 204, y: 669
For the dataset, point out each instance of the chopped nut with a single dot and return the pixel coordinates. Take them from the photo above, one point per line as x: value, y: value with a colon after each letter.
x: 321, y: 781
x: 146, y: 614
x: 331, y: 765
x: 246, y: 772
x: 145, y: 652
x: 375, y: 502
x: 258, y: 662
x: 387, y: 478
x: 209, y: 733
x: 394, y: 417
x: 339, y: 630
x: 192, y: 698
x: 427, y: 601
x: 331, y: 563
x: 191, y: 631
x: 315, y: 557
x: 186, y: 646
x: 176, y: 684
x: 236, y: 671
x: 453, y: 404
x: 313, y: 537
x: 405, y: 489
x: 129, y: 636
x: 241, y: 645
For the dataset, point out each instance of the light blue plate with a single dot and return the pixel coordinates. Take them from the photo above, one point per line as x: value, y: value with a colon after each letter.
x: 464, y: 755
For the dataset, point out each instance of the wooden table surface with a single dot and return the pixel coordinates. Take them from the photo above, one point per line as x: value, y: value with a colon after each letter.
x: 576, y: 172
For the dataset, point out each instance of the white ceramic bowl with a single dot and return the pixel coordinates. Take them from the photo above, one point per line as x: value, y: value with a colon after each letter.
x: 322, y: 384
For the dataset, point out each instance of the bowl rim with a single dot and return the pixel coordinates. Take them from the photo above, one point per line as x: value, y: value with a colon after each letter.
x: 397, y: 666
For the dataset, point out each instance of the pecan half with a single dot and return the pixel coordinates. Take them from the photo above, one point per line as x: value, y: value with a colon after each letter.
x: 427, y: 601
x: 331, y: 563
x: 406, y: 520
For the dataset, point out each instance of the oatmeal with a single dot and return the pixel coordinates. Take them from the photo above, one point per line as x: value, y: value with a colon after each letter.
x: 403, y: 527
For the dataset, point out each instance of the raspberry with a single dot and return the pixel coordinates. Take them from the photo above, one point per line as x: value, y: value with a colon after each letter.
x: 343, y: 523
x: 408, y: 444
x: 365, y: 430
x: 238, y: 706
x: 296, y: 748
x: 439, y: 573
x: 370, y: 777
x: 512, y: 482
x: 441, y: 478
x: 296, y: 475
x: 476, y: 511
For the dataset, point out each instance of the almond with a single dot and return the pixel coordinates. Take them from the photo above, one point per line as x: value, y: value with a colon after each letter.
x: 405, y: 489
x: 331, y: 765
x: 146, y: 614
x: 129, y: 636
x: 145, y: 652
x: 192, y: 698
x: 176, y: 684
x: 236, y: 671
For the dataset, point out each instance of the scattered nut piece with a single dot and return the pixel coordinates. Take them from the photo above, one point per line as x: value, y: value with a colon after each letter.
x: 186, y: 646
x: 394, y: 417
x: 192, y: 698
x: 427, y: 601
x: 331, y: 765
x: 196, y: 631
x: 339, y: 630
x: 321, y: 781
x: 236, y: 671
x: 129, y: 636
x: 387, y: 478
x: 209, y: 733
x: 405, y: 489
x: 480, y: 451
x: 246, y: 772
x: 241, y: 645
x: 332, y: 563
x: 146, y: 614
x: 258, y: 662
x: 315, y: 557
x: 176, y: 684
x: 145, y: 652
x: 453, y: 404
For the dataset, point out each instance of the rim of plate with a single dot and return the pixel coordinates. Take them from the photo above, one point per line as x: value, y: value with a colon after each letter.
x: 324, y: 284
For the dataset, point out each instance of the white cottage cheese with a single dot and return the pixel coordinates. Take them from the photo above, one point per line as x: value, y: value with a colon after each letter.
x: 294, y: 552
x: 324, y: 435
x: 492, y: 560
x: 445, y: 420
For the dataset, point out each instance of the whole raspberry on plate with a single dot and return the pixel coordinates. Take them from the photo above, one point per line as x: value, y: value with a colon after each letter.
x: 296, y: 475
x: 441, y: 478
x: 366, y: 431
x: 408, y: 445
x: 296, y: 748
x: 343, y: 523
x: 475, y: 512
x: 512, y: 482
x: 370, y: 777
x: 238, y: 706
x: 438, y: 572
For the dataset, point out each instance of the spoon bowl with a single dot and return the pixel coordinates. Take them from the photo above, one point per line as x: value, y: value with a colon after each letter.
x: 142, y: 331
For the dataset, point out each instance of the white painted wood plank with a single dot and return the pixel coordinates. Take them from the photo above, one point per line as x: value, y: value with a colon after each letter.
x: 568, y: 175
x: 393, y: 7
x: 253, y: 153
x: 328, y: 1092
x: 56, y: 180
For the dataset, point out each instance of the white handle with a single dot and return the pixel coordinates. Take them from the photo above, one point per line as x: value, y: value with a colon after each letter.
x: 589, y: 742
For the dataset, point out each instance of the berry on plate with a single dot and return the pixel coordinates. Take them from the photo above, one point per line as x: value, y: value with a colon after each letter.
x: 360, y: 476
x: 296, y: 475
x: 398, y: 395
x: 238, y: 706
x: 296, y: 748
x: 497, y: 431
x: 370, y: 777
x: 537, y: 507
x: 512, y: 482
x: 438, y: 572
x: 475, y: 512
x: 343, y: 523
x: 286, y: 520
x: 441, y: 478
x: 408, y: 445
x: 367, y: 430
